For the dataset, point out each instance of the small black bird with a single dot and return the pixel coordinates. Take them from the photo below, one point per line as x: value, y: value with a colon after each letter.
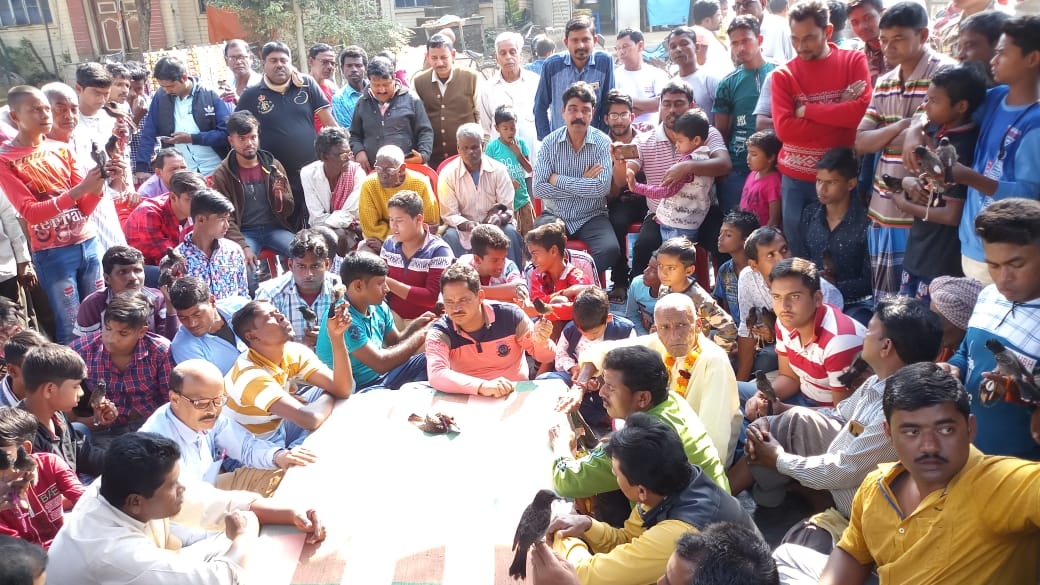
x: 308, y: 315
x: 763, y: 385
x: 542, y: 307
x: 850, y: 375
x: 947, y: 154
x: 533, y: 524
x: 1009, y: 365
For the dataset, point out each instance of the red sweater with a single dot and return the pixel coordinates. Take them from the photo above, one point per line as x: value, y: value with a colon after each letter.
x: 827, y: 123
x: 40, y: 524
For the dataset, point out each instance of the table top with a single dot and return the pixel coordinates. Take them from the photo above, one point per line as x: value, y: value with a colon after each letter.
x: 405, y: 507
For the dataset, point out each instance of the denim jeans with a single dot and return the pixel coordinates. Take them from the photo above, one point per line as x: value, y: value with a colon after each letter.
x: 671, y: 232
x: 795, y: 196
x: 268, y: 236
x: 68, y: 274
x: 516, y: 244
x: 731, y: 190
x: 413, y: 370
x: 289, y: 433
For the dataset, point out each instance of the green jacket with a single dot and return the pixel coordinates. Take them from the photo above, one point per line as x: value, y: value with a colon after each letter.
x: 592, y: 474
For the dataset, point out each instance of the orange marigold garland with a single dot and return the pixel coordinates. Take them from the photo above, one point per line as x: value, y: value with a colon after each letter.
x: 684, y: 371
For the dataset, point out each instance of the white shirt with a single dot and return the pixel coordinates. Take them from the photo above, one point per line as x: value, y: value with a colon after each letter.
x: 202, y: 453
x: 318, y: 195
x: 90, y: 130
x: 100, y: 545
x: 705, y: 84
x: 462, y: 200
x: 776, y: 38
x: 13, y: 247
x: 519, y: 94
x: 645, y: 82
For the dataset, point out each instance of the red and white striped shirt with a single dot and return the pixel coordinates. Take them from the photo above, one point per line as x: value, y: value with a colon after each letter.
x: 837, y: 339
x: 657, y: 154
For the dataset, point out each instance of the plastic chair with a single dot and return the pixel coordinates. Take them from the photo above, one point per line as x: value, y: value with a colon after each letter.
x: 273, y: 265
x: 444, y: 163
x: 432, y: 175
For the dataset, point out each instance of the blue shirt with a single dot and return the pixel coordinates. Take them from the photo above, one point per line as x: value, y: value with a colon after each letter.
x: 209, y: 347
x: 640, y: 308
x: 558, y: 74
x: 201, y: 159
x: 344, y: 102
x: 726, y: 288
x: 1018, y: 173
x: 363, y: 330
x: 574, y: 199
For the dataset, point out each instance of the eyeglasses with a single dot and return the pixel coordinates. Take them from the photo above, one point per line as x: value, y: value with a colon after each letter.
x: 239, y: 57
x: 385, y: 170
x: 206, y: 404
x: 616, y: 116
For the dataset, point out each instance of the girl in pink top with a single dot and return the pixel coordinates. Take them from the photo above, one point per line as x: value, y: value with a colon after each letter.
x: 761, y: 194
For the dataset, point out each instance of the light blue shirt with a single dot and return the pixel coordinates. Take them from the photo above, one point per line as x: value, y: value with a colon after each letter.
x: 201, y: 159
x: 575, y: 199
x: 203, y: 451
x: 344, y: 102
x: 209, y: 347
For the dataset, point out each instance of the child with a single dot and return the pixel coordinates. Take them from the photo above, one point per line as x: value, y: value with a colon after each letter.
x: 40, y: 513
x: 499, y: 276
x: 208, y: 255
x: 516, y: 155
x: 554, y: 280
x: 834, y: 232
x: 676, y: 261
x: 642, y: 297
x: 933, y: 248
x: 684, y: 205
x: 592, y: 324
x: 736, y: 227
x: 762, y: 189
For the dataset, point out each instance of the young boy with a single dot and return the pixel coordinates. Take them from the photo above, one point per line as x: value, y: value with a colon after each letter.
x: 676, y: 261
x: 208, y: 255
x: 642, y: 297
x: 124, y: 271
x: 55, y: 489
x: 834, y: 232
x: 737, y: 225
x: 415, y: 256
x: 934, y: 248
x: 12, y: 389
x: 685, y: 204
x: 43, y: 182
x: 554, y: 280
x: 499, y: 276
x: 516, y: 155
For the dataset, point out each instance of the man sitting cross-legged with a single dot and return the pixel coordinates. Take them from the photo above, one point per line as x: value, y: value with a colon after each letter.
x: 209, y: 440
x: 205, y: 331
x: 263, y: 391
x: 125, y: 532
x: 634, y: 380
x: 672, y: 497
x: 478, y: 346
x: 381, y: 355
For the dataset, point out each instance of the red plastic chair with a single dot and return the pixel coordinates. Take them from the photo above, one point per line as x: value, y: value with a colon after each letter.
x: 273, y: 265
x: 444, y: 163
x: 432, y: 175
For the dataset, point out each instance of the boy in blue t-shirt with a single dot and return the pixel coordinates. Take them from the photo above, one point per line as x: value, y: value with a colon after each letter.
x: 515, y: 154
x: 737, y: 225
x: 381, y: 356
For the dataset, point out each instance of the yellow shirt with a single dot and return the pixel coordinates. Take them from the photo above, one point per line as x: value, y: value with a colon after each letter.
x: 982, y: 529
x: 372, y: 210
x: 255, y: 383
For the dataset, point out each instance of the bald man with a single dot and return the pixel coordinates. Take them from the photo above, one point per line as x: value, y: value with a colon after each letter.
x: 211, y: 442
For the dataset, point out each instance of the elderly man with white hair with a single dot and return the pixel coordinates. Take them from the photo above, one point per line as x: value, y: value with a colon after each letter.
x: 698, y: 370
x: 469, y: 187
x: 514, y: 86
x: 391, y: 177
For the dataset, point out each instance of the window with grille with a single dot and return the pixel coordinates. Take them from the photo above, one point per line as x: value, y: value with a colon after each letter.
x: 24, y: 12
x: 412, y: 3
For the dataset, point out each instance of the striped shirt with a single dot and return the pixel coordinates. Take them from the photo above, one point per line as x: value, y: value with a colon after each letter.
x: 574, y: 199
x: 894, y: 100
x: 281, y: 291
x: 836, y: 341
x: 421, y: 273
x: 657, y: 154
x: 752, y: 291
x: 255, y: 383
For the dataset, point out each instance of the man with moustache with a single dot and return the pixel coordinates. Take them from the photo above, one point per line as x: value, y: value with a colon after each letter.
x: 389, y: 115
x: 512, y: 85
x: 353, y: 63
x: 450, y: 95
x: 209, y: 441
x: 582, y: 62
x: 239, y: 60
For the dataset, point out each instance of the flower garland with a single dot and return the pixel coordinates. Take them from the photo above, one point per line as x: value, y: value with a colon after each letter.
x: 684, y: 371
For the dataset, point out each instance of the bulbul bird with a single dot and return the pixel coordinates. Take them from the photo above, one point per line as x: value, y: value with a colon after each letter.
x: 171, y: 267
x: 97, y: 396
x: 308, y: 315
x: 764, y: 386
x: 435, y: 424
x: 1008, y: 365
x: 339, y: 292
x: 947, y: 154
x: 930, y: 164
x: 893, y: 184
x: 112, y: 109
x: 852, y: 373
x: 541, y: 306
x: 533, y: 524
x: 829, y: 266
x: 24, y: 467
x: 586, y: 436
x: 100, y: 159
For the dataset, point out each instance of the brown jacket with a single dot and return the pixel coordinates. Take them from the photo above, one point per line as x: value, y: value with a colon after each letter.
x: 458, y: 105
x: 225, y: 180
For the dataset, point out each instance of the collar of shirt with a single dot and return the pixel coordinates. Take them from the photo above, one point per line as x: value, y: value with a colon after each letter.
x: 437, y: 80
x: 821, y: 313
x: 398, y: 247
x: 141, y: 351
x: 271, y: 367
x: 489, y: 319
x: 191, y: 94
x: 567, y: 269
x: 188, y: 435
x: 891, y: 471
x: 286, y: 285
x: 564, y: 138
x: 526, y: 76
x: 461, y: 170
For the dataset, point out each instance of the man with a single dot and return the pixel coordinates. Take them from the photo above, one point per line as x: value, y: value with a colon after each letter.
x: 381, y: 355
x: 257, y: 185
x: 123, y: 528
x: 623, y: 207
x: 389, y: 115
x: 572, y: 174
x: 239, y: 59
x: 321, y: 61
x: 659, y: 162
x: 864, y: 20
x: 158, y: 224
x: 208, y: 255
x: 470, y: 186
x: 165, y: 162
x: 512, y: 85
x: 641, y: 82
x: 1011, y: 243
x: 286, y: 104
x: 194, y: 419
x: 947, y: 482
x: 499, y: 276
x: 265, y: 386
x: 458, y: 364
x: 123, y: 269
x: 450, y: 95
x: 391, y: 178
x: 808, y: 117
x: 44, y: 184
x: 542, y: 46
x: 416, y: 258
x: 672, y: 497
x: 711, y: 52
x: 947, y: 29
x: 776, y: 32
x: 978, y: 37
x: 682, y: 46
x: 353, y: 64
x: 308, y: 286
x: 735, y: 102
x: 133, y: 362
x: 904, y: 36
x: 185, y: 115
x: 205, y: 331
x: 581, y: 62
x: 635, y: 380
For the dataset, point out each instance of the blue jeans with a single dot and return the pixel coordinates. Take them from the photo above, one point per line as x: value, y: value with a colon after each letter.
x: 67, y: 275
x: 268, y: 236
x: 795, y: 196
x: 290, y: 434
x: 413, y: 370
x: 731, y: 190
x: 516, y: 244
x: 671, y: 232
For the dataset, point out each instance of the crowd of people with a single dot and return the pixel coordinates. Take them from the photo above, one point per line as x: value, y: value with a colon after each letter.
x: 823, y: 254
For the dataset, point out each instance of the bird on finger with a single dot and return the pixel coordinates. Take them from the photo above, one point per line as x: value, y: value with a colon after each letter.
x: 947, y: 154
x: 534, y: 522
x: 763, y: 385
x: 1009, y: 366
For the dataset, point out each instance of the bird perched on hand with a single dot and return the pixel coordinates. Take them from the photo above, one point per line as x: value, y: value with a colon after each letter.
x: 930, y: 163
x: 1015, y: 374
x: 308, y: 315
x: 171, y: 267
x: 947, y: 154
x: 854, y: 375
x: 533, y: 524
x: 763, y: 385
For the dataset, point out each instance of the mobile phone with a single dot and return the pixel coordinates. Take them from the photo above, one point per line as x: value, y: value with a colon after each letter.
x: 626, y: 151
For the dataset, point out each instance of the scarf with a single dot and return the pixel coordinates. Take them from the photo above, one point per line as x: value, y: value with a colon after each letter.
x: 294, y: 79
x: 344, y: 186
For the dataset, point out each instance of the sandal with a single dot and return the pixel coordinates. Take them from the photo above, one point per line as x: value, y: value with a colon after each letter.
x: 618, y: 295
